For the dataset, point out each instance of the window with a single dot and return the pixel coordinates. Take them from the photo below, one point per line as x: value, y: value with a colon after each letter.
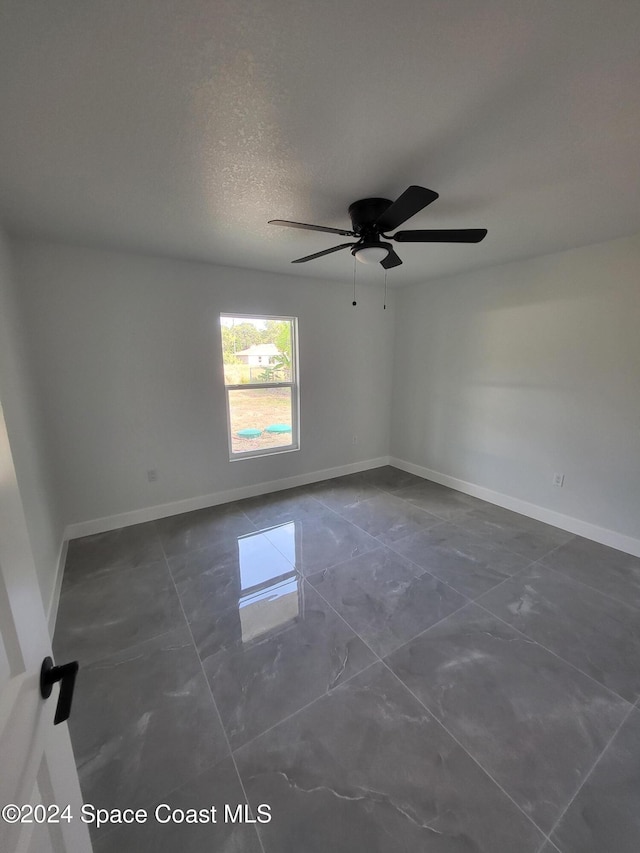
x: 260, y: 356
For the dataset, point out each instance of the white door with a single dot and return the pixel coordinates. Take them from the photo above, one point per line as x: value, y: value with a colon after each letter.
x: 37, y: 770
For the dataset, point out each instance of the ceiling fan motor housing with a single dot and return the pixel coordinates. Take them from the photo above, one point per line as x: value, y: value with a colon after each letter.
x: 365, y: 212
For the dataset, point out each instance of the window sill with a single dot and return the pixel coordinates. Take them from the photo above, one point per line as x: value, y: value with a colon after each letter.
x: 260, y: 454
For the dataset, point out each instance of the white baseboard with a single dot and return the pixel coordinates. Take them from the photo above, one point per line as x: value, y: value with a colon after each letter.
x: 549, y: 516
x: 138, y: 516
x: 52, y: 609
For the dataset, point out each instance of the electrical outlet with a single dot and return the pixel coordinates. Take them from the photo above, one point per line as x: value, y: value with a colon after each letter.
x: 152, y: 475
x: 558, y: 480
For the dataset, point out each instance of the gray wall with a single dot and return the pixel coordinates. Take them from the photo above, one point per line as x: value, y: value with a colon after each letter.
x: 504, y: 376
x: 110, y: 365
x: 27, y: 434
x: 129, y: 369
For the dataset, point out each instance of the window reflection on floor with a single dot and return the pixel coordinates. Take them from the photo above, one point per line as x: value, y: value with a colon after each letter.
x: 270, y: 600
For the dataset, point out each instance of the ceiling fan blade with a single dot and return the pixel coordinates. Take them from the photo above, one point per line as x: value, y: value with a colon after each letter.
x: 311, y: 227
x: 392, y: 260
x: 453, y: 235
x: 412, y: 201
x: 320, y: 254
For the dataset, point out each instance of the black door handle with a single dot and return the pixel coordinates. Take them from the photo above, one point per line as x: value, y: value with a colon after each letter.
x: 66, y: 675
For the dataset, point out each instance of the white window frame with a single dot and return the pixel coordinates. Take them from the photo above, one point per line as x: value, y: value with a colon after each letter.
x: 248, y: 386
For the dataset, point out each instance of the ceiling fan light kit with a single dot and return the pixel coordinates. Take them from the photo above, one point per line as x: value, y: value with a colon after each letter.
x: 371, y: 218
x: 370, y: 254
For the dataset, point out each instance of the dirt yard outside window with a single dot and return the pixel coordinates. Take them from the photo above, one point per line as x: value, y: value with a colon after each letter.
x: 258, y: 409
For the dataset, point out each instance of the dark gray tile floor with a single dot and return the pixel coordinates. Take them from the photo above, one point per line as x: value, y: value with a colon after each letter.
x: 387, y: 664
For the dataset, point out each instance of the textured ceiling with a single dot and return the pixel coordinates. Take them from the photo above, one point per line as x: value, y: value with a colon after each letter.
x: 181, y: 127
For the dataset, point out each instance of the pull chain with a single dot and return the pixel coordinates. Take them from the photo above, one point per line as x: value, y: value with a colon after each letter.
x: 354, y: 281
x: 384, y: 307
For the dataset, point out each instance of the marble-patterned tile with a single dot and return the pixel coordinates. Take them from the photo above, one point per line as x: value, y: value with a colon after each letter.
x: 214, y: 584
x: 116, y: 549
x: 215, y: 787
x: 341, y: 492
x: 316, y: 542
x: 259, y: 682
x: 144, y: 722
x: 210, y: 576
x: 390, y: 479
x: 388, y: 518
x: 491, y: 518
x: 535, y: 723
x: 470, y: 564
x: 447, y: 504
x: 597, y: 634
x: 278, y: 507
x: 608, y: 570
x: 366, y: 768
x: 202, y: 528
x: 115, y: 610
x: 526, y: 536
x: 605, y: 816
x: 386, y: 599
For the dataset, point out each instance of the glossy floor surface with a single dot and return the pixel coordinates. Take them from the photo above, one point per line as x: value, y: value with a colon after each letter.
x: 389, y: 665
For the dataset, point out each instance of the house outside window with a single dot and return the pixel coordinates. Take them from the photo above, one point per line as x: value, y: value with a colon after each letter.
x: 260, y: 357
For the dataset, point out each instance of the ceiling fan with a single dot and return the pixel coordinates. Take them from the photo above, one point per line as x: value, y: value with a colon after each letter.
x: 372, y: 217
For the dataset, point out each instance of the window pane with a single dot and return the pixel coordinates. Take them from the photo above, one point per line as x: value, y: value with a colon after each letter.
x: 256, y: 350
x: 260, y: 418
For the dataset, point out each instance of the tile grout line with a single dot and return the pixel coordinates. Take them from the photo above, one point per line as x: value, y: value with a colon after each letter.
x: 580, y: 583
x: 482, y: 538
x: 389, y: 547
x: 470, y: 601
x: 323, y: 508
x: 406, y: 642
x: 488, y: 536
x: 350, y: 627
x: 477, y: 601
x: 466, y: 751
x: 547, y: 836
x: 431, y: 714
x: 377, y: 657
x: 393, y: 493
x: 327, y: 692
x: 466, y: 604
x: 548, y: 843
x: 468, y: 597
x: 593, y: 767
x: 298, y: 571
x: 555, y: 654
x: 330, y: 690
x: 153, y: 801
x: 99, y: 662
x: 213, y: 699
x: 429, y: 513
x: 110, y: 571
x: 140, y: 642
